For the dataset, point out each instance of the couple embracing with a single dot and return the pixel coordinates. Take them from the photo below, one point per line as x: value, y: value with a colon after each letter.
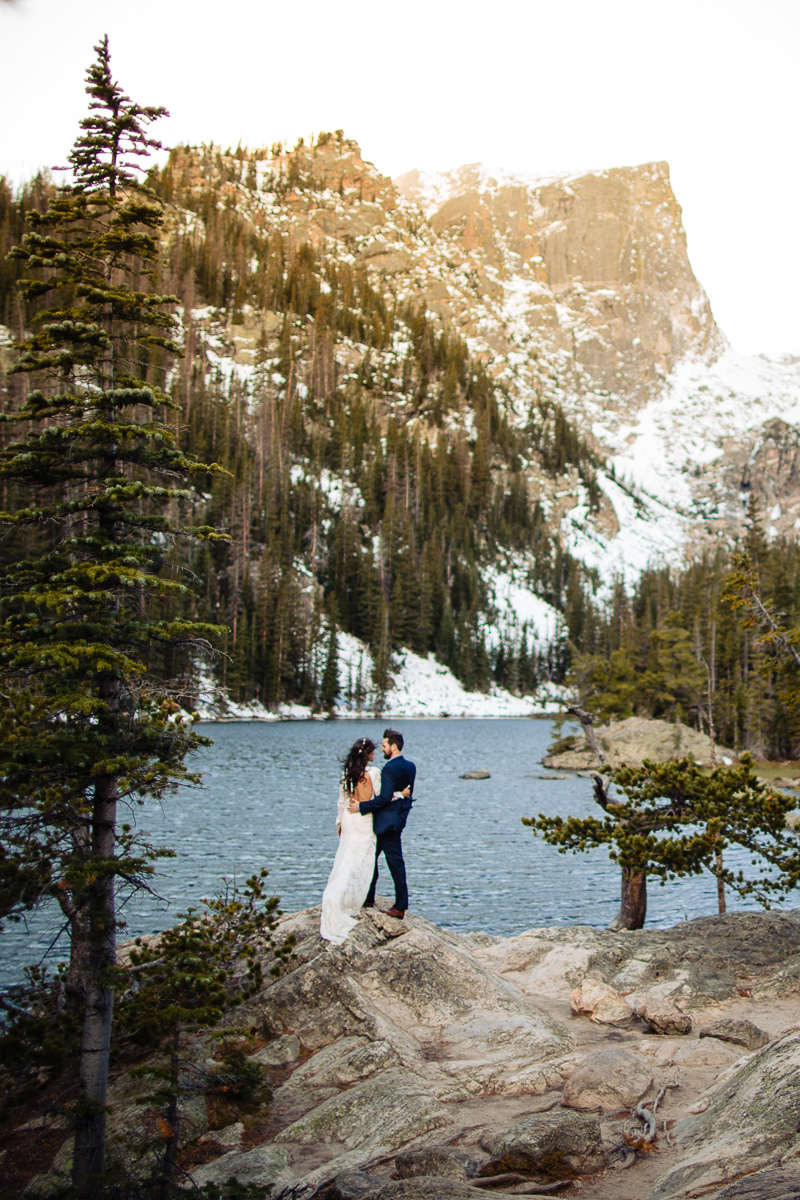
x: 372, y: 811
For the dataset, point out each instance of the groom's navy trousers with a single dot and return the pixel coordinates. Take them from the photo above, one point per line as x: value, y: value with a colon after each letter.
x: 389, y: 818
x: 390, y: 846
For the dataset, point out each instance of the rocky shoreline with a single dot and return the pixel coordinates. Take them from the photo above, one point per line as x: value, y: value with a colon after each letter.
x: 416, y: 1062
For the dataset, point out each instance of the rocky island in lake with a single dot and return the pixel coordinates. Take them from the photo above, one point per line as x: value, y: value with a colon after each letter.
x: 632, y: 741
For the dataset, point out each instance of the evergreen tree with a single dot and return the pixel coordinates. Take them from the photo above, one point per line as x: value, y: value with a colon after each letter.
x: 606, y: 685
x: 744, y: 593
x: 674, y: 819
x: 199, y: 969
x: 89, y: 607
x: 329, y: 689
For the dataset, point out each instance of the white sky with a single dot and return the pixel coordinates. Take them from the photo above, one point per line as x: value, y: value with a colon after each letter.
x: 710, y: 87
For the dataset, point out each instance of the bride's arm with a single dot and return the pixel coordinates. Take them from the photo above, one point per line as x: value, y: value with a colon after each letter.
x: 341, y: 808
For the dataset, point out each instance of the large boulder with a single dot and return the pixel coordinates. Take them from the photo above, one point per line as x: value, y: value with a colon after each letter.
x: 665, y: 1019
x: 689, y: 1053
x: 421, y: 998
x: 738, y: 1033
x: 601, y: 1003
x: 386, y: 1111
x: 752, y: 1121
x: 280, y: 1052
x: 260, y: 1166
x: 696, y: 964
x: 361, y: 1125
x: 345, y: 1062
x: 632, y: 741
x: 350, y: 1185
x: 607, y: 1081
x: 557, y: 1144
x: 442, y: 1161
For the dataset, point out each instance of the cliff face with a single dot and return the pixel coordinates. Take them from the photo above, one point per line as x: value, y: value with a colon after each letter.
x: 570, y: 287
x: 594, y: 266
x: 582, y: 290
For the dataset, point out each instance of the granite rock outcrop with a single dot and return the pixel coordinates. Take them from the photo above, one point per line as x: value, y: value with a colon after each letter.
x: 445, y: 1058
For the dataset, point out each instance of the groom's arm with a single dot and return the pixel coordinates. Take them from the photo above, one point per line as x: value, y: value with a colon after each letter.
x: 385, y: 795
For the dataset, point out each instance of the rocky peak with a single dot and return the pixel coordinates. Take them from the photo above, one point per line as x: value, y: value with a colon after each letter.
x: 595, y: 266
x: 333, y: 162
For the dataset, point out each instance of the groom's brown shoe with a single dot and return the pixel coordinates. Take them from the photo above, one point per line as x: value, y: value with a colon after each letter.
x: 397, y: 913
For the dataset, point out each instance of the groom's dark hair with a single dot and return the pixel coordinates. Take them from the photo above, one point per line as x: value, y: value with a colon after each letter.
x: 394, y: 738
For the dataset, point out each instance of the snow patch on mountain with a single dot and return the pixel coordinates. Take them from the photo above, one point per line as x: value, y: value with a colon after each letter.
x: 423, y: 687
x: 651, y: 534
x: 701, y: 405
x: 519, y: 612
x: 431, y: 189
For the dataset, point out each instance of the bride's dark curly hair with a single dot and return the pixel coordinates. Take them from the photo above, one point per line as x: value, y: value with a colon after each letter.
x: 356, y: 763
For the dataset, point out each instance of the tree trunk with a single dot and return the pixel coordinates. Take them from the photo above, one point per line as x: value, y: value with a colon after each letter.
x: 720, y: 882
x: 173, y: 1116
x: 633, y: 901
x: 633, y: 884
x: 587, y: 721
x: 90, y: 1122
x: 78, y: 970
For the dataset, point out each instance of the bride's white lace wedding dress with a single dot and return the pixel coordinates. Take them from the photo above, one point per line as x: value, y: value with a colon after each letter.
x: 353, y: 868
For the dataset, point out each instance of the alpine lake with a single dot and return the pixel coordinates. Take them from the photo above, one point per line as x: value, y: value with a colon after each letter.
x: 268, y: 798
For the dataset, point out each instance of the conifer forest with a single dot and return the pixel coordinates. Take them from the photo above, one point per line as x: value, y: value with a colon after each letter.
x: 370, y: 472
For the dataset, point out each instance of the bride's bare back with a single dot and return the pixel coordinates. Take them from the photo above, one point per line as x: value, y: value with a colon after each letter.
x: 364, y: 790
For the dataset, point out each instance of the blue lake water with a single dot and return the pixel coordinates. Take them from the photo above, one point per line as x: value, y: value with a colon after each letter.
x: 269, y: 798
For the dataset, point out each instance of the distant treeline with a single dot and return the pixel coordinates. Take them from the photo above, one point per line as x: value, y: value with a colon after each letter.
x: 675, y: 648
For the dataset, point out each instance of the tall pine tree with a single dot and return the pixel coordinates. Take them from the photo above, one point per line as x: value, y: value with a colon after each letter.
x: 90, y: 608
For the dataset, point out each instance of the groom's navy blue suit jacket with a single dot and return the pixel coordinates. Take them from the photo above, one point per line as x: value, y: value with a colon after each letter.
x: 387, y: 813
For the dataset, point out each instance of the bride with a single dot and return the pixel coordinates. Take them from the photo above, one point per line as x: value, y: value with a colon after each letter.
x: 354, y: 864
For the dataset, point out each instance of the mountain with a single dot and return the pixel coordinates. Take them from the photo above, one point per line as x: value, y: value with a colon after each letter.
x: 633, y: 434
x: 455, y: 409
x: 577, y: 291
x: 590, y: 273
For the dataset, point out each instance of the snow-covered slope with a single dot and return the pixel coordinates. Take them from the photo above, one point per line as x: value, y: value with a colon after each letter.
x: 692, y: 444
x: 420, y: 687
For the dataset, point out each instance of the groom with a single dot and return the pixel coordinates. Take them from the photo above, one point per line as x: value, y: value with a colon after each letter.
x: 389, y: 818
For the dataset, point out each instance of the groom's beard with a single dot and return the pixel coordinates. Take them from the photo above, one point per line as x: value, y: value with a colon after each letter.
x: 387, y: 756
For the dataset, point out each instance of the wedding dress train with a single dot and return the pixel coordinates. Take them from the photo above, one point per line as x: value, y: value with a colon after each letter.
x: 353, y: 868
